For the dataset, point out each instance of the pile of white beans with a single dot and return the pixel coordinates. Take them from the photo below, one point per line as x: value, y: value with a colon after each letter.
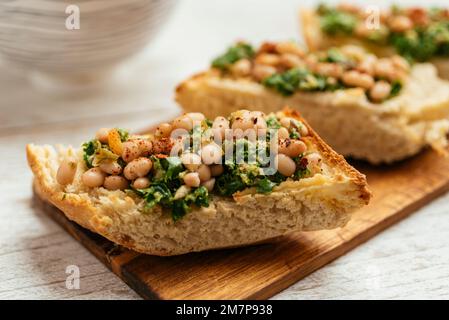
x: 201, y: 168
x: 374, y: 75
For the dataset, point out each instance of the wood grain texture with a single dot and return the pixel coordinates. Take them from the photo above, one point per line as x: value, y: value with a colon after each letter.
x: 259, y: 272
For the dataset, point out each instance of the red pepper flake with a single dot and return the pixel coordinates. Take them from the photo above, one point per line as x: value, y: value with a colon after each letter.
x: 303, y: 163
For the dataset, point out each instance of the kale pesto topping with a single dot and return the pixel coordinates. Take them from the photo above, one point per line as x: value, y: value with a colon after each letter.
x: 418, y: 34
x: 335, y: 22
x: 290, y: 81
x: 180, y: 173
x: 166, y: 180
x: 286, y: 69
x: 240, y: 51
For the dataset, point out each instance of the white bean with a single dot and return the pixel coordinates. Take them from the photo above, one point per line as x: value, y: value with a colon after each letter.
x: 220, y: 122
x: 115, y: 183
x: 102, y: 135
x: 357, y: 79
x: 290, y: 60
x: 191, y: 161
x: 243, y: 123
x: 141, y: 183
x: 130, y: 151
x: 286, y: 166
x: 145, y: 146
x: 313, y: 159
x: 211, y: 154
x: 192, y: 179
x: 292, y: 148
x: 164, y: 130
x: 329, y: 69
x: 384, y: 68
x: 367, y: 64
x: 66, y: 172
x: 400, y: 23
x: 380, y: 91
x: 111, y: 167
x: 285, y: 122
x: 258, y: 122
x: 261, y: 71
x: 209, y: 184
x: 220, y: 125
x: 400, y: 62
x: 183, y: 122
x: 289, y: 47
x: 268, y: 59
x: 137, y: 168
x: 181, y: 192
x: 283, y: 133
x: 303, y: 131
x: 93, y: 178
x: 204, y: 173
x: 241, y: 68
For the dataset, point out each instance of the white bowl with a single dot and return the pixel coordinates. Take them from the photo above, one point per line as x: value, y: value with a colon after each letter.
x: 34, y: 33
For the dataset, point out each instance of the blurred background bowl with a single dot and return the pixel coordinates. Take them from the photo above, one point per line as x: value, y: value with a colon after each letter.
x: 34, y: 36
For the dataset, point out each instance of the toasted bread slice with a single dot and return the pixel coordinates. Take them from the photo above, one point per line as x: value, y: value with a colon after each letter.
x: 351, y: 124
x: 322, y: 201
x: 316, y: 40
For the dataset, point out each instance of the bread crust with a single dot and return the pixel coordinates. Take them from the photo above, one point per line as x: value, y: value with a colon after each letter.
x: 319, y: 202
x: 379, y: 133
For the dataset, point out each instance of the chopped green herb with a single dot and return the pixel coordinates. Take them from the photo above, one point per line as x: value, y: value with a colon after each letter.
x: 418, y: 44
x: 273, y: 122
x: 208, y: 123
x: 335, y: 55
x: 297, y: 79
x: 124, y: 134
x: 239, y: 177
x: 294, y: 134
x: 157, y: 193
x: 335, y: 22
x: 232, y: 55
x: 165, y: 182
x: 89, y: 149
x: 167, y: 170
x: 103, y: 155
x: 301, y: 173
x: 396, y: 87
x: 414, y: 45
x: 173, y: 167
x: 265, y: 185
x: 199, y: 197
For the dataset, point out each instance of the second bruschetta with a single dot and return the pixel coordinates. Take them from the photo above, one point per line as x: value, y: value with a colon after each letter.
x: 416, y: 33
x: 377, y: 109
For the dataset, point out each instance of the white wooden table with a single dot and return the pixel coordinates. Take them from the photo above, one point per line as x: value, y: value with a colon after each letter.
x: 410, y: 260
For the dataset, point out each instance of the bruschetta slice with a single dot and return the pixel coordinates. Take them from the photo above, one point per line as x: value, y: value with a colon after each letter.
x: 416, y: 33
x: 183, y: 188
x: 376, y: 109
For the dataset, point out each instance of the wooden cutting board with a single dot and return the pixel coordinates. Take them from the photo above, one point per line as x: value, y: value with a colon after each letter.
x: 258, y: 272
